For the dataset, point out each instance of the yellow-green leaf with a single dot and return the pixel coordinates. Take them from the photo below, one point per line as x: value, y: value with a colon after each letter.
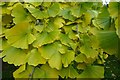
x: 20, y: 35
x: 34, y: 58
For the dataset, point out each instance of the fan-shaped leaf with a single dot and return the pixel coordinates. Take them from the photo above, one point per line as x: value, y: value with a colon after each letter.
x: 68, y: 72
x: 14, y: 56
x: 34, y: 58
x: 51, y: 52
x: 23, y: 71
x: 54, y: 10
x: 37, y: 13
x: 55, y: 61
x: 109, y: 41
x: 65, y: 13
x: 20, y: 14
x: 50, y: 72
x: 92, y: 72
x: 86, y: 47
x: 103, y: 19
x: 67, y: 58
x: 45, y: 38
x: 67, y: 41
x: 20, y: 35
x: 114, y: 8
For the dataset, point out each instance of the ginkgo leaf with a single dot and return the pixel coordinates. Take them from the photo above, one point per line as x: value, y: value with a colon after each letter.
x: 68, y: 72
x: 81, y: 58
x: 117, y: 28
x: 50, y: 72
x: 54, y: 10
x: 51, y: 52
x: 77, y: 11
x: 34, y: 58
x: 39, y: 73
x: 59, y: 22
x: 86, y: 47
x: 23, y: 71
x: 65, y: 13
x: 113, y: 9
x: 109, y: 41
x: 68, y: 57
x: 67, y: 41
x: 20, y: 35
x: 92, y: 72
x: 47, y: 51
x: 69, y: 31
x: 37, y: 13
x: 20, y: 14
x: 14, y: 56
x: 55, y: 61
x: 39, y: 28
x: 45, y: 38
x: 54, y: 24
x: 103, y: 19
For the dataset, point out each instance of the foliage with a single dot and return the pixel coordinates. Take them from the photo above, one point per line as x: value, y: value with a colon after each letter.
x: 52, y: 39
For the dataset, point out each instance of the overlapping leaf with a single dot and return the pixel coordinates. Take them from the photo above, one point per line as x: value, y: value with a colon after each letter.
x: 67, y: 58
x: 92, y: 72
x: 103, y: 19
x: 45, y: 38
x: 51, y: 52
x: 38, y: 14
x: 14, y: 56
x: 66, y: 13
x: 20, y: 14
x: 20, y: 36
x: 114, y: 9
x: 68, y: 72
x: 86, y: 48
x: 34, y: 58
x: 54, y: 10
x: 67, y: 41
x: 109, y: 41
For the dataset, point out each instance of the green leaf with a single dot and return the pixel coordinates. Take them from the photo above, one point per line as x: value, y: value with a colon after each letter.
x: 113, y: 9
x: 117, y: 28
x: 50, y: 72
x: 39, y: 73
x: 51, y: 52
x: 45, y: 38
x: 47, y: 51
x: 77, y: 11
x: 20, y: 35
x: 54, y: 10
x: 65, y: 13
x: 37, y: 13
x: 68, y: 72
x: 67, y: 41
x: 59, y: 22
x: 20, y: 14
x: 68, y: 57
x: 19, y: 70
x: 14, y: 56
x: 34, y: 58
x: 55, y: 61
x: 81, y: 58
x: 23, y: 71
x: 103, y: 19
x: 92, y: 72
x: 86, y: 47
x: 39, y: 28
x: 69, y: 31
x: 109, y: 41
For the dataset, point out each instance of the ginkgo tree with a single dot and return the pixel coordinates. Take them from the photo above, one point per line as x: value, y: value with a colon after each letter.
x: 59, y: 39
